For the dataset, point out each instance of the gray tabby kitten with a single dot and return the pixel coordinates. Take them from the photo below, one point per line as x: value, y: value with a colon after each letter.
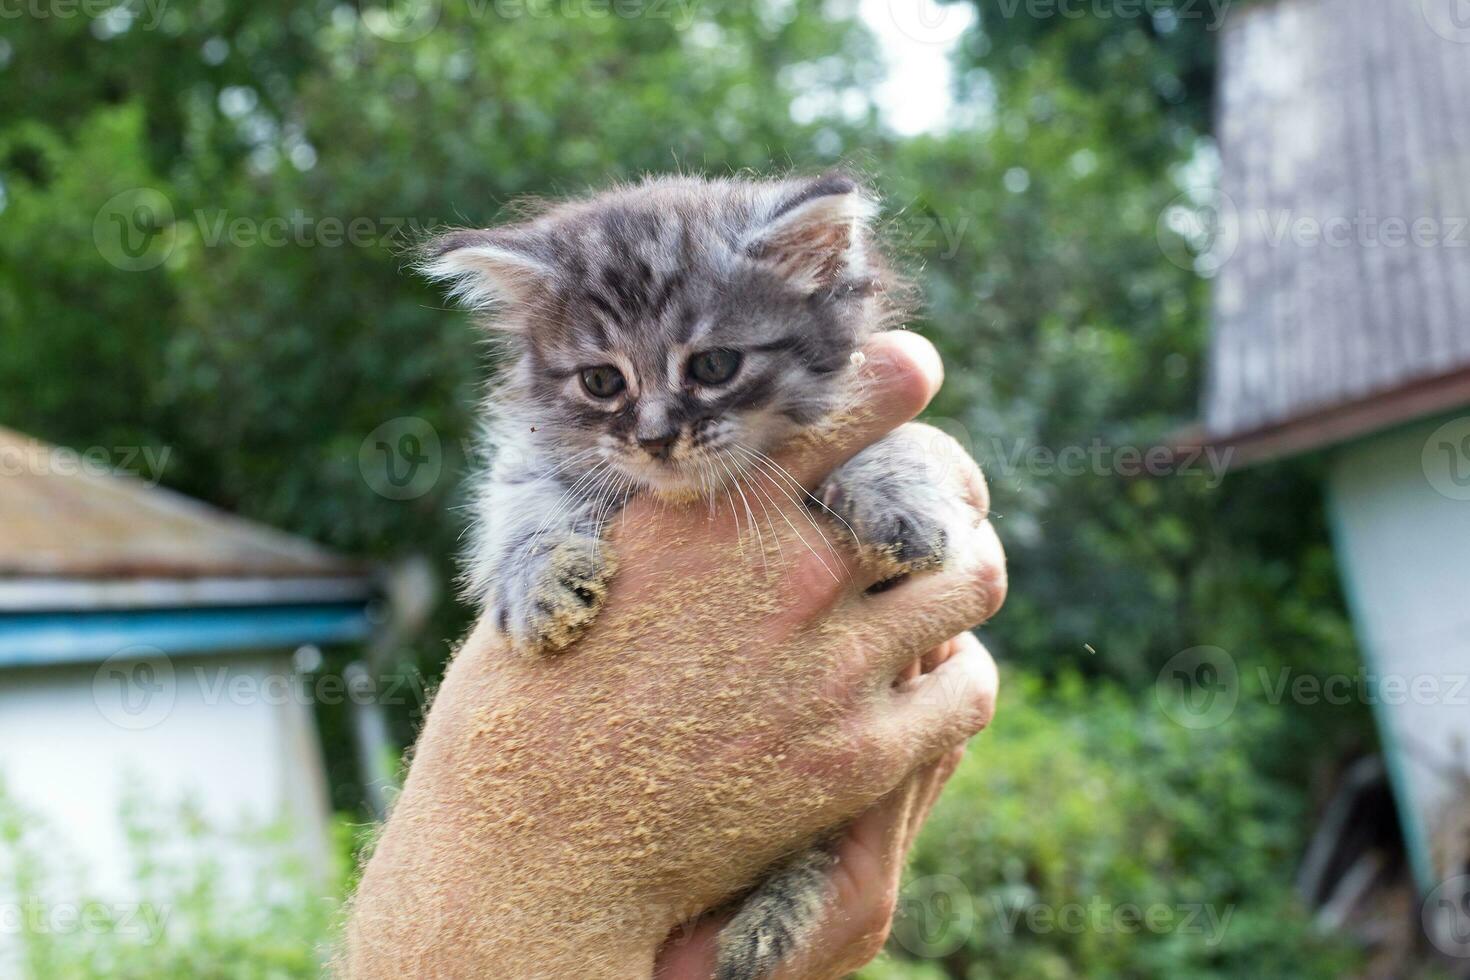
x: 666, y: 337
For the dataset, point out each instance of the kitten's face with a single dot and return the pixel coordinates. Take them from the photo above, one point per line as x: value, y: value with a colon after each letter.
x: 676, y: 332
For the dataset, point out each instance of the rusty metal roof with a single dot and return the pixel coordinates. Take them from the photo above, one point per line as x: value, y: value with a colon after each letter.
x: 63, y: 520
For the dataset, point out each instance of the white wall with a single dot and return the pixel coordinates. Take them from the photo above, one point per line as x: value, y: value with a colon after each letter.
x: 1401, y: 523
x: 225, y: 730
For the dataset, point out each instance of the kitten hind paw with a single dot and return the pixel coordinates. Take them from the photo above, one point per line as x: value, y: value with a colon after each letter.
x: 775, y: 919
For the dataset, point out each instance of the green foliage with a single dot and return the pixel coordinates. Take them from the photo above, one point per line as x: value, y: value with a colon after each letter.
x: 232, y: 905
x: 1086, y: 835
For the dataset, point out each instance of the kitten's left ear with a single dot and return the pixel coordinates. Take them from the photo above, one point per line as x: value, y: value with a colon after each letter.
x: 488, y: 269
x: 816, y: 238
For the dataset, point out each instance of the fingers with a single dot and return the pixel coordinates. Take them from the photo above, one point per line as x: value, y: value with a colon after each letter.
x: 864, y: 888
x: 900, y: 374
x: 918, y: 614
x: 865, y: 881
x: 924, y: 718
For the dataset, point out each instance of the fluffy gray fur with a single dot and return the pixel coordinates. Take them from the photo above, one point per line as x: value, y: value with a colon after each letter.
x: 658, y: 282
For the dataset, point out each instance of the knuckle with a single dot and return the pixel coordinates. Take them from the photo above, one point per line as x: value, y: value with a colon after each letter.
x: 980, y: 707
x: 977, y: 490
x: 903, y: 376
x: 885, y: 902
x: 989, y: 583
x: 877, y: 922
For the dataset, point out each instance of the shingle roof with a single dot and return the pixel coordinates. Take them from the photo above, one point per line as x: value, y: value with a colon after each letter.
x: 1344, y: 303
x: 63, y: 520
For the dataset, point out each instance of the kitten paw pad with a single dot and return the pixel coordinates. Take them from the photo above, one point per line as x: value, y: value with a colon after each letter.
x: 562, y: 599
x: 901, y: 544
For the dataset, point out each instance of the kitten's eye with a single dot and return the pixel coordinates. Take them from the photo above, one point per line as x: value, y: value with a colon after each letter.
x: 603, y: 381
x: 714, y: 367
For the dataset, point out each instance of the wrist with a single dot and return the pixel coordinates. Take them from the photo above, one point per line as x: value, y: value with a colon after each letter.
x: 465, y: 879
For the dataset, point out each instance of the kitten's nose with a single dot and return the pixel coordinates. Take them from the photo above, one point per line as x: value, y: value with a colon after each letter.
x: 660, y: 446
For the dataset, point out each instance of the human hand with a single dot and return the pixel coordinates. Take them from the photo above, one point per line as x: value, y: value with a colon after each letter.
x: 736, y: 698
x: 863, y: 882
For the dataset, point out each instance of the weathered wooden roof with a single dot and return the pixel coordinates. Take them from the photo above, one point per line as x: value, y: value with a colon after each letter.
x: 1342, y: 304
x: 66, y: 528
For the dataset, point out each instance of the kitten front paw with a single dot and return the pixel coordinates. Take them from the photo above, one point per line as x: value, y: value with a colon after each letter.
x: 898, y: 534
x: 898, y: 499
x: 552, y: 604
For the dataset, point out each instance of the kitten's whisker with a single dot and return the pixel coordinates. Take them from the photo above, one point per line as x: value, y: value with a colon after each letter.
x: 619, y: 482
x: 561, y: 505
x: 771, y: 524
x: 794, y: 528
x: 800, y: 505
x: 738, y: 472
x: 770, y: 463
x: 607, y: 490
x: 729, y: 479
x: 568, y: 464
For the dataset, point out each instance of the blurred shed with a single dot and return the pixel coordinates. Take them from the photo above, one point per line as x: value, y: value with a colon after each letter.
x: 146, y: 647
x: 1342, y: 327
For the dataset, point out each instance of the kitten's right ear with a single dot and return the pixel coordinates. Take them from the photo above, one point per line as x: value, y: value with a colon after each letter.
x: 487, y: 269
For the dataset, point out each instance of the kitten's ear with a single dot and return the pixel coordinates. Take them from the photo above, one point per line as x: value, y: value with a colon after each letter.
x: 487, y: 269
x: 816, y: 237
